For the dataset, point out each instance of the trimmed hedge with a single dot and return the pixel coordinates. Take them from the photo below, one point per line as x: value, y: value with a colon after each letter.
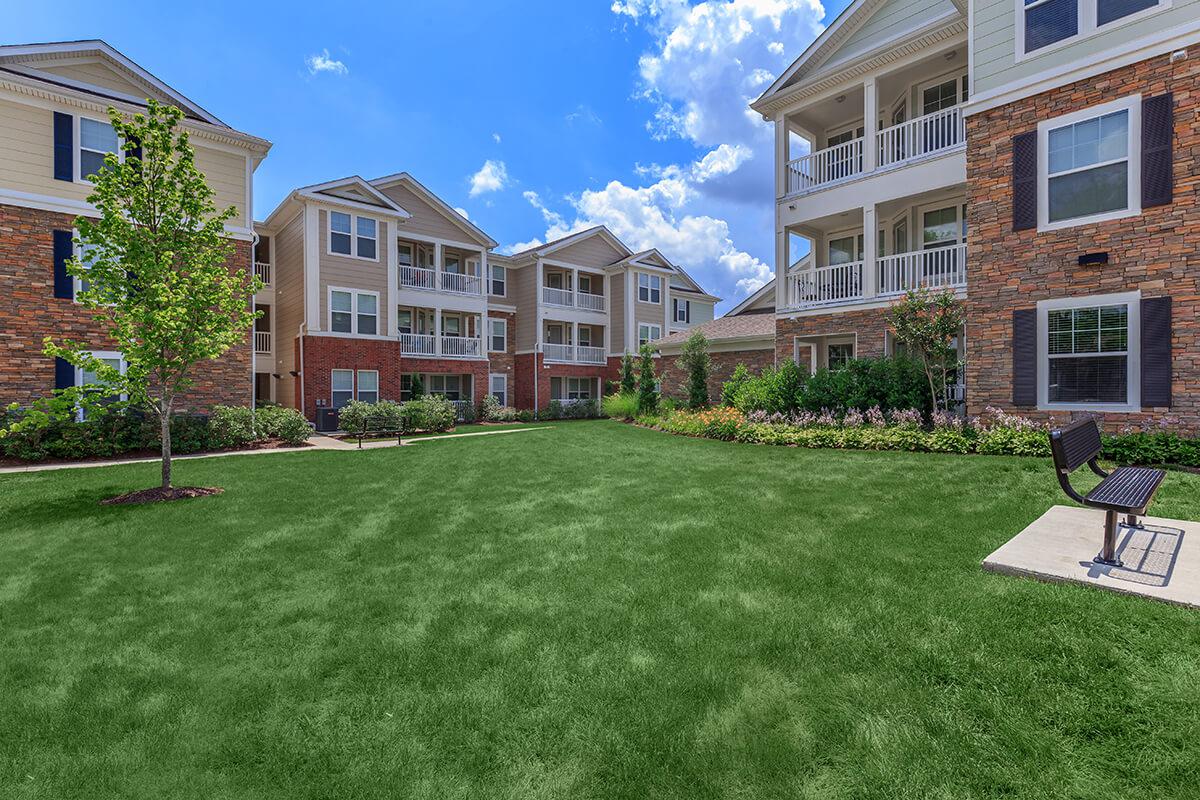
x: 885, y: 383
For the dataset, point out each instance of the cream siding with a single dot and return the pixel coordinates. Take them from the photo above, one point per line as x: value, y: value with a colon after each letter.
x: 993, y: 48
x: 289, y: 304
x: 98, y: 74
x: 593, y: 251
x: 891, y: 20
x: 354, y: 273
x: 426, y: 220
x: 522, y: 292
x: 616, y: 311
x: 701, y: 311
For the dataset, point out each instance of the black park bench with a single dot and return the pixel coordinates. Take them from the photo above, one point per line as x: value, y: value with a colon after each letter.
x: 1125, y: 490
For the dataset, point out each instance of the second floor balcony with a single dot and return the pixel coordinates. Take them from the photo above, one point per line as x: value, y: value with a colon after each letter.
x: 433, y: 333
x: 573, y: 342
x: 440, y: 281
x: 885, y: 277
x: 565, y: 298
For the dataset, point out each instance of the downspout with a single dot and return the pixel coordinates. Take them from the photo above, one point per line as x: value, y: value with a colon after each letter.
x: 253, y: 311
x: 300, y: 371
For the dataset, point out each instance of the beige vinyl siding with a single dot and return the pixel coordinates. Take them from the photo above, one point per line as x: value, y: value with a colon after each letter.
x: 426, y: 220
x: 100, y: 75
x: 27, y: 160
x: 892, y: 19
x: 616, y: 311
x: 993, y: 48
x: 701, y: 311
x: 353, y: 273
x: 289, y: 303
x: 522, y: 292
x: 764, y: 303
x: 593, y: 251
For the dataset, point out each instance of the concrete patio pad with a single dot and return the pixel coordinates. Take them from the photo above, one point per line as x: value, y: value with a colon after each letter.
x: 1161, y: 560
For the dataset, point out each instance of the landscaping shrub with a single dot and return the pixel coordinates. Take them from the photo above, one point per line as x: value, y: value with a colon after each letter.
x: 357, y: 419
x: 232, y: 427
x: 432, y: 413
x: 492, y: 411
x: 286, y: 424
x: 731, y: 387
x: 888, y: 383
x: 623, y: 405
x: 526, y: 415
x: 646, y: 388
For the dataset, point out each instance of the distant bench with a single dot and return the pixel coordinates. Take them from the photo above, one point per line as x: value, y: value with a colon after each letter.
x: 1125, y: 490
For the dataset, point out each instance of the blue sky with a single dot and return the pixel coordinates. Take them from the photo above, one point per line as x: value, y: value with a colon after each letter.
x: 535, y: 118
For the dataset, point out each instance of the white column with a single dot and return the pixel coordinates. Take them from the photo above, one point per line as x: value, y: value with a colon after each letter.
x: 484, y: 278
x: 393, y: 279
x: 437, y: 330
x: 668, y: 317
x: 781, y: 154
x: 870, y: 124
x: 438, y: 263
x: 481, y: 333
x: 574, y: 286
x: 630, y: 325
x: 869, y: 256
x: 574, y: 341
x: 537, y: 300
x: 782, y: 258
x: 608, y: 318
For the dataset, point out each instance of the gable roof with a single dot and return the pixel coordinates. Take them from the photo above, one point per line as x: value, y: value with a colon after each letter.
x: 437, y: 202
x: 353, y: 191
x: 574, y: 238
x: 24, y: 58
x: 744, y: 306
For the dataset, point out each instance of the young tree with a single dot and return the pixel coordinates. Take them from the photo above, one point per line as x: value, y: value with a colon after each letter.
x: 156, y: 272
x: 417, y: 389
x: 695, y: 362
x: 926, y: 323
x: 647, y: 393
x: 628, y: 382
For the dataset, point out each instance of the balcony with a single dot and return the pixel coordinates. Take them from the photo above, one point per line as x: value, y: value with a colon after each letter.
x: 888, y: 277
x: 565, y: 298
x: 462, y: 346
x: 576, y: 354
x: 262, y: 342
x: 430, y: 345
x: 262, y: 271
x: 437, y: 280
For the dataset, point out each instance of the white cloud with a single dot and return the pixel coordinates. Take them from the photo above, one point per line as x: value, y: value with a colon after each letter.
x: 583, y: 114
x: 496, y: 138
x: 462, y: 211
x: 323, y: 63
x: 491, y: 177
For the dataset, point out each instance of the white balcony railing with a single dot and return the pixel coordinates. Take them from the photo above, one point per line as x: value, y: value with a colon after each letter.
x: 935, y: 268
x: 825, y: 166
x: 921, y: 136
x: 589, y: 355
x: 839, y: 283
x: 417, y: 344
x: 460, y: 283
x: 461, y: 346
x: 262, y: 341
x: 591, y: 302
x: 418, y: 278
x: 558, y: 352
x: 557, y: 297
x: 262, y: 271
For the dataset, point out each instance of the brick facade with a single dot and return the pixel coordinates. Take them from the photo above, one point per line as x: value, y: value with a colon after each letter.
x: 29, y: 311
x: 506, y: 363
x: 869, y: 325
x: 1154, y: 251
x: 529, y: 363
x: 323, y: 354
x: 723, y: 363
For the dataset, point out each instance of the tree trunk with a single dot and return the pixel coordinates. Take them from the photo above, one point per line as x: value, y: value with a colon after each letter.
x: 929, y: 376
x: 165, y: 417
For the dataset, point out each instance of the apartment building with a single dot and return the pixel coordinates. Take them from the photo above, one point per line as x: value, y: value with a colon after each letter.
x: 1019, y: 155
x: 371, y: 283
x: 54, y: 135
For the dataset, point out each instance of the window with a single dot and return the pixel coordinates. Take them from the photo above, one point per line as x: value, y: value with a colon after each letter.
x: 681, y: 310
x: 84, y: 254
x: 939, y: 96
x: 354, y: 312
x: 585, y: 284
x: 452, y: 264
x: 839, y: 355
x: 499, y: 286
x: 585, y: 337
x: 404, y: 254
x: 648, y: 333
x: 845, y: 249
x: 498, y: 388
x: 96, y: 140
x: 364, y: 240
x: 1042, y: 23
x: 1087, y: 352
x: 449, y: 386
x: 571, y: 389
x: 451, y: 326
x: 341, y: 383
x: 86, y: 377
x: 499, y: 335
x: 406, y: 388
x: 1085, y: 172
x: 368, y: 386
x: 404, y: 320
x: 649, y: 288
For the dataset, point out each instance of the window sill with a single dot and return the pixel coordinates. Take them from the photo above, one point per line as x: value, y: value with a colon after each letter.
x: 1105, y: 407
x: 1076, y: 222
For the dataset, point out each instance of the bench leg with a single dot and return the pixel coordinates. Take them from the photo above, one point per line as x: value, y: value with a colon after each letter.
x: 1108, y: 554
x: 1131, y: 522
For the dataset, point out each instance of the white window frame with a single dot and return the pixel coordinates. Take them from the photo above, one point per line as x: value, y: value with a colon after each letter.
x: 121, y: 367
x: 1133, y: 155
x: 491, y: 336
x: 503, y: 378
x: 650, y: 288
x: 681, y: 305
x: 354, y: 236
x: 648, y: 327
x: 838, y: 341
x: 1133, y: 350
x: 1087, y: 25
x: 503, y: 280
x: 412, y: 254
x: 354, y: 294
x: 353, y: 387
x: 358, y: 373
x: 956, y: 76
x: 78, y: 149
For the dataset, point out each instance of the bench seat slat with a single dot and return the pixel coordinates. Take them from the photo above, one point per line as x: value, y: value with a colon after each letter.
x: 1126, y: 489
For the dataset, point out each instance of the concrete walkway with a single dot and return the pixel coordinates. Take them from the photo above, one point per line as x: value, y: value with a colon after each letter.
x: 317, y: 442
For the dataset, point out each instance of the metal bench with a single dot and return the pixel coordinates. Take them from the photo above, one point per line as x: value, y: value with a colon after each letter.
x: 1125, y: 490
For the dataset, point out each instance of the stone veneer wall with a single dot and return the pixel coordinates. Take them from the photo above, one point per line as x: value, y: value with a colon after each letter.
x: 723, y: 363
x: 868, y: 324
x: 29, y: 311
x: 1155, y: 251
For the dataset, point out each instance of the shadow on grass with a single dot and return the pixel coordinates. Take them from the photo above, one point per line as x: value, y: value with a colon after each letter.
x: 83, y: 504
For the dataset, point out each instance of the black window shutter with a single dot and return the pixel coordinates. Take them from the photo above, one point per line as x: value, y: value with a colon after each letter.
x: 1025, y: 356
x: 64, y: 373
x: 64, y: 284
x: 1024, y: 172
x: 1158, y: 127
x: 64, y: 147
x: 1156, y: 352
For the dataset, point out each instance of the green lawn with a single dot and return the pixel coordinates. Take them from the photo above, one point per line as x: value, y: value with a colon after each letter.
x: 590, y: 611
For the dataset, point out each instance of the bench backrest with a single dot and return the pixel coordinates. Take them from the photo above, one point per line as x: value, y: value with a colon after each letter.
x: 1075, y: 445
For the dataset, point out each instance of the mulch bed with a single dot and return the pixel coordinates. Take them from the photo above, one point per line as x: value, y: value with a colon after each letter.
x: 159, y: 495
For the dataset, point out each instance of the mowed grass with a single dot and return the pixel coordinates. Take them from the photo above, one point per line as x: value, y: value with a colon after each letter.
x: 593, y: 611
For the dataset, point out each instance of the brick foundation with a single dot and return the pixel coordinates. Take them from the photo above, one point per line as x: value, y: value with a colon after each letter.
x: 29, y: 311
x: 723, y: 363
x: 528, y: 363
x: 1154, y: 251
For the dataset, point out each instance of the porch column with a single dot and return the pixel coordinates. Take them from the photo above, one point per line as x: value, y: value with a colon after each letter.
x: 437, y: 329
x: 574, y: 286
x: 781, y: 154
x: 481, y: 331
x: 870, y: 257
x: 870, y: 125
x: 574, y: 341
x: 437, y: 266
x: 537, y: 300
x: 781, y: 265
x: 484, y: 277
